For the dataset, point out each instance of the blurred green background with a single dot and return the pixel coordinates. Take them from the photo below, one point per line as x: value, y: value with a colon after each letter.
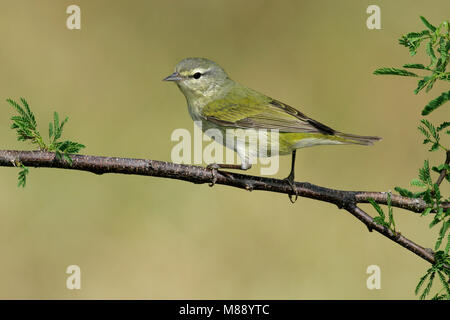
x: 141, y: 237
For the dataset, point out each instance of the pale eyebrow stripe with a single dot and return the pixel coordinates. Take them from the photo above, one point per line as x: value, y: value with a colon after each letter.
x: 203, y: 72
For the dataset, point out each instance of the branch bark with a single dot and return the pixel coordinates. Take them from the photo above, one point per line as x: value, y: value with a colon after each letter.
x: 347, y: 200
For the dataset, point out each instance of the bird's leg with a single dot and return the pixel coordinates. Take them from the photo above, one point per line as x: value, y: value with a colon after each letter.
x: 214, y: 167
x: 290, y: 179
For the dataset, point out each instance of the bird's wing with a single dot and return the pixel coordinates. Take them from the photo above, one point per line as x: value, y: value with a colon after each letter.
x: 252, y: 110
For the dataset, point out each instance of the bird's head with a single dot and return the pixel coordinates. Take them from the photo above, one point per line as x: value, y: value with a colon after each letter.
x: 198, y: 77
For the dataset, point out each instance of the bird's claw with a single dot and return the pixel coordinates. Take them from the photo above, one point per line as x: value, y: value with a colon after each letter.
x: 294, y: 189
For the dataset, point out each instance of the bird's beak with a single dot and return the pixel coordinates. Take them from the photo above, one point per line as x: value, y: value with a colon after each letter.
x: 173, y: 77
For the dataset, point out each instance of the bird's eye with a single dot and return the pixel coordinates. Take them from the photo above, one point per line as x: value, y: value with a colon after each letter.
x: 197, y: 75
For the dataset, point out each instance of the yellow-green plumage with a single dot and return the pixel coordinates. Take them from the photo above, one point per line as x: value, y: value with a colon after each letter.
x: 220, y: 103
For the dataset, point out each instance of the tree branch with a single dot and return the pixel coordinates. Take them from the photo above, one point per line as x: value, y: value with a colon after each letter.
x: 347, y: 200
x: 443, y: 171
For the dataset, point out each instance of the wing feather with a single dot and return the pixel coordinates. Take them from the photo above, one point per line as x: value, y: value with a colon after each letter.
x: 250, y: 109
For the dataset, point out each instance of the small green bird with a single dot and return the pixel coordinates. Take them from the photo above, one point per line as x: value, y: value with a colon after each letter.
x: 220, y: 103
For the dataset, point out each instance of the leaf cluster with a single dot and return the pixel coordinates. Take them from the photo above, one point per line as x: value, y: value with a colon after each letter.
x: 432, y: 134
x: 64, y: 148
x: 381, y: 218
x: 431, y: 194
x: 443, y: 276
x: 436, y: 41
x: 437, y: 46
x: 26, y: 128
x: 25, y: 123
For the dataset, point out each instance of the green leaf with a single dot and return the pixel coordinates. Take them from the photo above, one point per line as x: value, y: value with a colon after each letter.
x: 425, y: 133
x: 437, y: 218
x: 439, y: 297
x: 23, y: 176
x: 427, y: 197
x: 428, y: 287
x: 63, y: 123
x: 447, y: 247
x: 74, y: 147
x: 377, y: 208
x: 422, y: 84
x: 443, y: 125
x: 442, y: 233
x: 28, y: 112
x: 444, y: 46
x: 437, y: 193
x: 58, y: 155
x: 415, y: 66
x: 50, y: 130
x: 426, y: 212
x: 394, y: 71
x: 69, y: 147
x: 18, y: 108
x: 379, y: 220
x: 427, y: 24
x: 435, y: 103
x: 404, y: 192
x: 429, y: 131
x: 412, y: 36
x: 391, y: 211
x: 434, y: 147
x: 444, y: 282
x: 417, y: 183
x: 441, y: 167
x: 25, y: 123
x: 56, y: 126
x: 405, y: 42
x: 421, y: 281
x: 413, y: 39
x: 67, y: 158
x: 430, y: 84
x: 424, y: 173
x: 430, y: 52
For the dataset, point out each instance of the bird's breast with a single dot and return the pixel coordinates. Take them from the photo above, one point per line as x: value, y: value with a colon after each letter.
x: 194, y: 111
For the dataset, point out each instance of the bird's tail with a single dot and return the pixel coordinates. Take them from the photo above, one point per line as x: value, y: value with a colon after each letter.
x: 355, y: 139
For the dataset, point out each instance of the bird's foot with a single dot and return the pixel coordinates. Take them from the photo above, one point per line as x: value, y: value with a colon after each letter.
x: 290, y: 181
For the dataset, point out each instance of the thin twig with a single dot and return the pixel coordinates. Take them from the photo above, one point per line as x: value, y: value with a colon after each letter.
x: 347, y: 200
x: 443, y: 172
